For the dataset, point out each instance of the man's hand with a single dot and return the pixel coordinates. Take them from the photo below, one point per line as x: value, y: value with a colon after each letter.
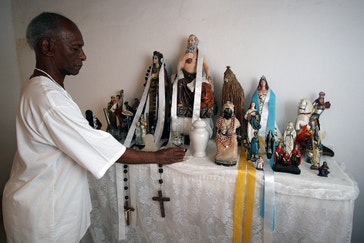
x: 172, y: 155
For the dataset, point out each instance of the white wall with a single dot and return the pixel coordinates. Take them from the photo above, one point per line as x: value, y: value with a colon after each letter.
x: 302, y: 47
x: 9, y: 92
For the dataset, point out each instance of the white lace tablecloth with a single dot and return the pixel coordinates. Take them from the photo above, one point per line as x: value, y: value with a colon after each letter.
x: 308, y: 208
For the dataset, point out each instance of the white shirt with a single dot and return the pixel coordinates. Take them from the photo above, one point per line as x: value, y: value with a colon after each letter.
x: 47, y: 197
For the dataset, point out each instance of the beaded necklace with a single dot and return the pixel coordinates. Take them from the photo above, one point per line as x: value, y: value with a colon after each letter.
x: 226, y: 139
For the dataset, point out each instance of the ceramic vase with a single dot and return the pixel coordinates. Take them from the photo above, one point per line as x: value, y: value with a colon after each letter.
x: 199, y: 137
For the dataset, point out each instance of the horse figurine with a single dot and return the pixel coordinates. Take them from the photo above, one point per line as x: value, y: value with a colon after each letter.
x: 302, y: 126
x: 304, y: 112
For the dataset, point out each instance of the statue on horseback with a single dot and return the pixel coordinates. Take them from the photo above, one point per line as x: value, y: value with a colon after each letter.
x: 308, y: 127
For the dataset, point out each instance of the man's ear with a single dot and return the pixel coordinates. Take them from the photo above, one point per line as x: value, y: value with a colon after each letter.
x: 47, y: 46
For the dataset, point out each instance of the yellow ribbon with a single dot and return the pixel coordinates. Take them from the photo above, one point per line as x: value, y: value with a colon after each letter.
x: 245, y: 180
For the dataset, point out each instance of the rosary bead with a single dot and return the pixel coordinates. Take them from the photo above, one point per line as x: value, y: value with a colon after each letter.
x: 160, y: 181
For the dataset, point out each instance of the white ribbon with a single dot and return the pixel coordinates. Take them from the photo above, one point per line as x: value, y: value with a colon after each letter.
x: 174, y: 97
x: 269, y: 203
x: 130, y: 134
x: 161, y: 106
x: 198, y: 88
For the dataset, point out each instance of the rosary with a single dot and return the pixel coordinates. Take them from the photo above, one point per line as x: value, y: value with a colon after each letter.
x: 160, y: 197
x: 127, y: 208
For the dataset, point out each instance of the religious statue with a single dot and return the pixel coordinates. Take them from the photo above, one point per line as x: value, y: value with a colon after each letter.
x: 304, y: 112
x: 149, y: 143
x: 111, y: 102
x: 226, y: 137
x: 319, y: 105
x: 286, y: 159
x: 314, y: 150
x: 253, y: 121
x: 296, y: 156
x: 308, y: 127
x: 259, y: 164
x: 278, y: 154
x: 324, y: 169
x: 265, y: 101
x: 117, y: 109
x: 289, y: 137
x: 285, y: 162
x: 143, y: 128
x: 188, y: 82
x: 269, y: 144
x: 130, y: 109
x: 302, y: 127
x: 153, y: 95
x: 138, y: 134
x: 112, y: 117
x: 93, y: 121
x: 254, y: 148
x: 135, y: 104
x: 232, y: 91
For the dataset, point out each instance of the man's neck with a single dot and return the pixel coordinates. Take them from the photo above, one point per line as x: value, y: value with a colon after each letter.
x: 48, y: 73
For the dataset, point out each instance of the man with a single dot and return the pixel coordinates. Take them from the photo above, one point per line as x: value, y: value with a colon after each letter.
x: 47, y: 198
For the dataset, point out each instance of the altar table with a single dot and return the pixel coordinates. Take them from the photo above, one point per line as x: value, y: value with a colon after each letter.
x: 308, y: 208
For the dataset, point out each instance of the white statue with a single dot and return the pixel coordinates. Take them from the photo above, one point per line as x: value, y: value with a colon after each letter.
x: 289, y: 137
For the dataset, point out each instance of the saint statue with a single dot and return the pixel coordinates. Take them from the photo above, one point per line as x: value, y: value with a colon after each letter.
x: 265, y: 101
x: 289, y: 137
x: 253, y: 120
x: 153, y: 95
x: 324, y: 169
x: 187, y: 83
x: 232, y: 91
x: 226, y: 137
x: 296, y: 156
x: 319, y: 105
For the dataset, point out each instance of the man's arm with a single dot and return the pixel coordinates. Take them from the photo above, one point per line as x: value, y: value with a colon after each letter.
x: 163, y: 156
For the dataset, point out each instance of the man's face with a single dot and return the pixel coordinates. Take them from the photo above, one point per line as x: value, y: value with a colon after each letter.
x: 69, y: 54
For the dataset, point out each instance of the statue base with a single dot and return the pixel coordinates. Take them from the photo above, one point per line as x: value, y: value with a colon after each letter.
x: 225, y: 163
x: 287, y: 169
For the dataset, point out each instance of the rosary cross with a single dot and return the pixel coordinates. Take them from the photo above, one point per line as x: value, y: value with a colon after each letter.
x: 161, y: 200
x: 127, y: 211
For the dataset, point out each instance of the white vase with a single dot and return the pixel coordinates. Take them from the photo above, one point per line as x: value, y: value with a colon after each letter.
x: 199, y: 137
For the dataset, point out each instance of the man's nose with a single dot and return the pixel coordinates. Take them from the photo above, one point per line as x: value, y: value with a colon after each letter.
x: 83, y: 55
